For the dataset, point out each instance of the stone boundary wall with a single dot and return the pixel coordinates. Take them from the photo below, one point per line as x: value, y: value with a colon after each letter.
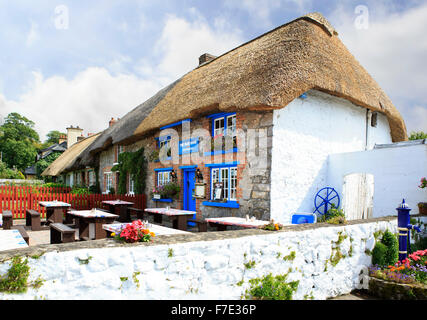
x: 199, y: 266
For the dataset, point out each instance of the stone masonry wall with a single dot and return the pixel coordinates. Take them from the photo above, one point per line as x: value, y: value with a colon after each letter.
x: 212, y: 265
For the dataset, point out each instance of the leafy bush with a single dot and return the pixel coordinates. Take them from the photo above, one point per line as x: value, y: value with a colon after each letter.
x: 333, y: 216
x: 272, y: 288
x: 79, y: 190
x: 54, y: 185
x: 171, y: 190
x: 390, y: 241
x: 379, y: 254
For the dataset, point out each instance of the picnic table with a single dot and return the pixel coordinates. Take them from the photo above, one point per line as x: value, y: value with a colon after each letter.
x: 221, y: 224
x: 179, y: 217
x: 11, y: 239
x: 54, y: 210
x: 95, y: 217
x: 158, y: 230
x: 122, y: 205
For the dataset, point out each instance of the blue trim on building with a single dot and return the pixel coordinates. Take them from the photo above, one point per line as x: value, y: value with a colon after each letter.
x: 163, y: 200
x: 163, y: 169
x: 188, y: 167
x: 228, y: 204
x: 175, y: 124
x: 222, y: 165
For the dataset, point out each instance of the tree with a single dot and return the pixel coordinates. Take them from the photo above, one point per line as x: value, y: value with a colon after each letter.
x: 418, y: 135
x: 42, y: 164
x: 18, y: 141
x: 53, y: 136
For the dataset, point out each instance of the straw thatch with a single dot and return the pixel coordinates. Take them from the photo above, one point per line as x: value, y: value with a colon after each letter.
x: 69, y: 156
x: 271, y: 71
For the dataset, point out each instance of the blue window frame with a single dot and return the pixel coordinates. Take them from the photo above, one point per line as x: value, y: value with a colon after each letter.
x: 226, y: 173
x: 223, y: 124
x: 164, y: 142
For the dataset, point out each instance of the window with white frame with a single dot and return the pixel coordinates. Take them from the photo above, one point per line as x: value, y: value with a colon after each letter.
x: 218, y: 127
x: 225, y: 125
x: 164, y: 146
x: 92, y: 181
x: 131, y: 185
x: 108, y: 181
x: 163, y: 177
x: 228, y: 177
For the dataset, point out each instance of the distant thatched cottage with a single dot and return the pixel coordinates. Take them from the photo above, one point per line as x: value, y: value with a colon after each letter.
x: 287, y: 100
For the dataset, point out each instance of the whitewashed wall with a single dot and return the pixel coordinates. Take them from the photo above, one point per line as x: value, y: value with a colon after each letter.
x: 305, y: 133
x: 397, y: 173
x: 207, y: 269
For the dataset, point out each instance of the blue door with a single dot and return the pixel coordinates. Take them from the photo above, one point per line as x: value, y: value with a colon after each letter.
x: 189, y: 185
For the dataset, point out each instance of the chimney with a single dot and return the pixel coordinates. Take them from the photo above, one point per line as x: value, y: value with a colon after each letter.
x: 112, y: 122
x: 73, y: 135
x: 62, y: 138
x: 204, y: 58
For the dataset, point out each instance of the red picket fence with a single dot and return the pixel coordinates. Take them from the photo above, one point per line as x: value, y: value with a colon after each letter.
x: 20, y: 199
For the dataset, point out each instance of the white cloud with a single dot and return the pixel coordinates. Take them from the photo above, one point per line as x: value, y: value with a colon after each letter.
x: 94, y: 95
x: 182, y: 42
x: 33, y: 34
x: 393, y: 50
x: 89, y: 100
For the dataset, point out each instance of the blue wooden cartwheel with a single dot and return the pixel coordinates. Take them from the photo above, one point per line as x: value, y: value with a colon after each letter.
x: 324, y: 200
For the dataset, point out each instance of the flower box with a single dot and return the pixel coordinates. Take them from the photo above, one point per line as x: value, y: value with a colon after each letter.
x: 422, y: 207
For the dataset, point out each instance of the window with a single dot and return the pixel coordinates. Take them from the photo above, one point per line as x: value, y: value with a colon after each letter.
x: 163, y: 177
x: 108, y: 178
x: 92, y: 178
x: 131, y: 185
x: 228, y: 177
x: 224, y: 124
x: 164, y: 146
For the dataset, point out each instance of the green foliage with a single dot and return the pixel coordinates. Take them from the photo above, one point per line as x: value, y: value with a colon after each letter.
x: 54, y: 185
x: 79, y: 190
x: 271, y: 288
x: 250, y: 264
x: 16, y: 279
x: 19, y: 141
x: 418, y: 135
x: 7, y: 173
x: 42, y: 164
x: 170, y: 253
x: 379, y: 254
x: 333, y: 216
x: 392, y: 254
x: 171, y: 190
x: 290, y: 257
x: 53, y: 137
x: 134, y: 164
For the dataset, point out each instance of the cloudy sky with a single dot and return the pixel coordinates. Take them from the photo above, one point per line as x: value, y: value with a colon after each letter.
x: 78, y: 62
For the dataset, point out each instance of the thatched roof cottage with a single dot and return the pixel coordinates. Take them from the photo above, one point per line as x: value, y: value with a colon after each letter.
x: 288, y: 99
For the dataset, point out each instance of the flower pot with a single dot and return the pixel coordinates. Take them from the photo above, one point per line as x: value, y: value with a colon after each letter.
x: 422, y: 206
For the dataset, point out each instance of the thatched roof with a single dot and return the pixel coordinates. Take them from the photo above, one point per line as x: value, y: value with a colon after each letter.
x: 271, y: 71
x: 69, y: 156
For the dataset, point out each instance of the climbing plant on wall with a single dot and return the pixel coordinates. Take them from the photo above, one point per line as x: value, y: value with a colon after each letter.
x: 135, y: 164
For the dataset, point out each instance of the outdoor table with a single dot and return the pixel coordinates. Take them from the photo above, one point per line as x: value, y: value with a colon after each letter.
x: 222, y: 223
x: 180, y: 216
x: 158, y: 230
x: 97, y: 217
x: 123, y: 208
x: 54, y: 210
x: 11, y: 239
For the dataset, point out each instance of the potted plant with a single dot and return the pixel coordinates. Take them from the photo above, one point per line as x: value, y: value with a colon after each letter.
x: 171, y: 190
x: 422, y: 206
x: 156, y: 193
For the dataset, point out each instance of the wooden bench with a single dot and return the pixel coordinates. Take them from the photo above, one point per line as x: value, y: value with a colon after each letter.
x: 202, y: 225
x: 7, y: 220
x: 139, y: 213
x: 60, y: 233
x: 32, y: 219
x: 23, y: 233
